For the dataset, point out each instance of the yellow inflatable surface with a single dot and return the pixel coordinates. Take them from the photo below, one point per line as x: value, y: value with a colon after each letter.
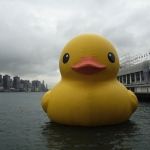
x: 89, y: 93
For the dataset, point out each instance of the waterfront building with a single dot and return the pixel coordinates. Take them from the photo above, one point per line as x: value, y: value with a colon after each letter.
x: 1, y: 79
x: 43, y: 86
x: 11, y: 83
x: 16, y: 82
x: 25, y: 85
x: 1, y: 83
x: 6, y: 82
x: 135, y: 74
x: 36, y: 85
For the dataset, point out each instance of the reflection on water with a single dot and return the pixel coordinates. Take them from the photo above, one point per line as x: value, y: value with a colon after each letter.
x: 133, y: 134
x: 107, y: 137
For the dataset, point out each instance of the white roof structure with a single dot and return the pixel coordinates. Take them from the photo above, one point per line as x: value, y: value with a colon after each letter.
x: 133, y: 64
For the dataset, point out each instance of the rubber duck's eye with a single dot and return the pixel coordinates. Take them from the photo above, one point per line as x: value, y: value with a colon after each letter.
x: 111, y: 57
x: 65, y: 58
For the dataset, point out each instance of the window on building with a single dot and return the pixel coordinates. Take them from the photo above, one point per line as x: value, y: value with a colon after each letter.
x: 142, y: 76
x: 137, y: 74
x: 124, y: 78
x: 128, y: 78
x: 132, y: 77
x: 132, y: 89
x: 121, y: 79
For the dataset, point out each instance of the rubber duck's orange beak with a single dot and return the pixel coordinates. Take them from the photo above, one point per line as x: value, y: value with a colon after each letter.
x: 88, y: 65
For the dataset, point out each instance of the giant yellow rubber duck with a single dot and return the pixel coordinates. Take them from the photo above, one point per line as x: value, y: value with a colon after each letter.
x: 89, y: 93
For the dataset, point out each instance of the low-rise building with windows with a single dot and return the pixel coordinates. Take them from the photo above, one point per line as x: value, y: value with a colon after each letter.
x: 135, y: 76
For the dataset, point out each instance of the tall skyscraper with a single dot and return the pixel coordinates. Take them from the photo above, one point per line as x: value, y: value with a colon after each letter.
x: 43, y: 86
x: 6, y: 82
x: 36, y: 85
x: 1, y: 80
x: 16, y: 82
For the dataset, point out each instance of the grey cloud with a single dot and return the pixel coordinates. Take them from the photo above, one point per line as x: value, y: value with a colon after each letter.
x: 34, y: 32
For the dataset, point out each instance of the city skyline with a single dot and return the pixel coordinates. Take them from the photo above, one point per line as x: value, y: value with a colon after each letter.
x: 16, y: 83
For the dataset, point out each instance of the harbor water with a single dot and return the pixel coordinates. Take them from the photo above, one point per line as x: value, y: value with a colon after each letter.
x: 25, y: 126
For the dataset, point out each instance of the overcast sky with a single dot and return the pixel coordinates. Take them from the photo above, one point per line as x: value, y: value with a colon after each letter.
x: 34, y: 32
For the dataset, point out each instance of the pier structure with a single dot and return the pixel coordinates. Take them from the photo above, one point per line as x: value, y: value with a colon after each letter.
x: 134, y: 73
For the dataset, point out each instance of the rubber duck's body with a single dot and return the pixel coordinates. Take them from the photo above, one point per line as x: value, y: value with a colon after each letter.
x: 89, y: 93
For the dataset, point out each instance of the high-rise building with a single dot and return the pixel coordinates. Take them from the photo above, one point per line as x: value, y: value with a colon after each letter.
x: 27, y: 84
x: 36, y: 85
x: 16, y: 82
x: 6, y: 82
x: 1, y: 80
x: 1, y: 83
x: 43, y: 86
x: 11, y: 83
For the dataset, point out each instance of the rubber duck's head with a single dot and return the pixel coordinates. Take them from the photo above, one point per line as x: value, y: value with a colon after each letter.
x: 89, y: 57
